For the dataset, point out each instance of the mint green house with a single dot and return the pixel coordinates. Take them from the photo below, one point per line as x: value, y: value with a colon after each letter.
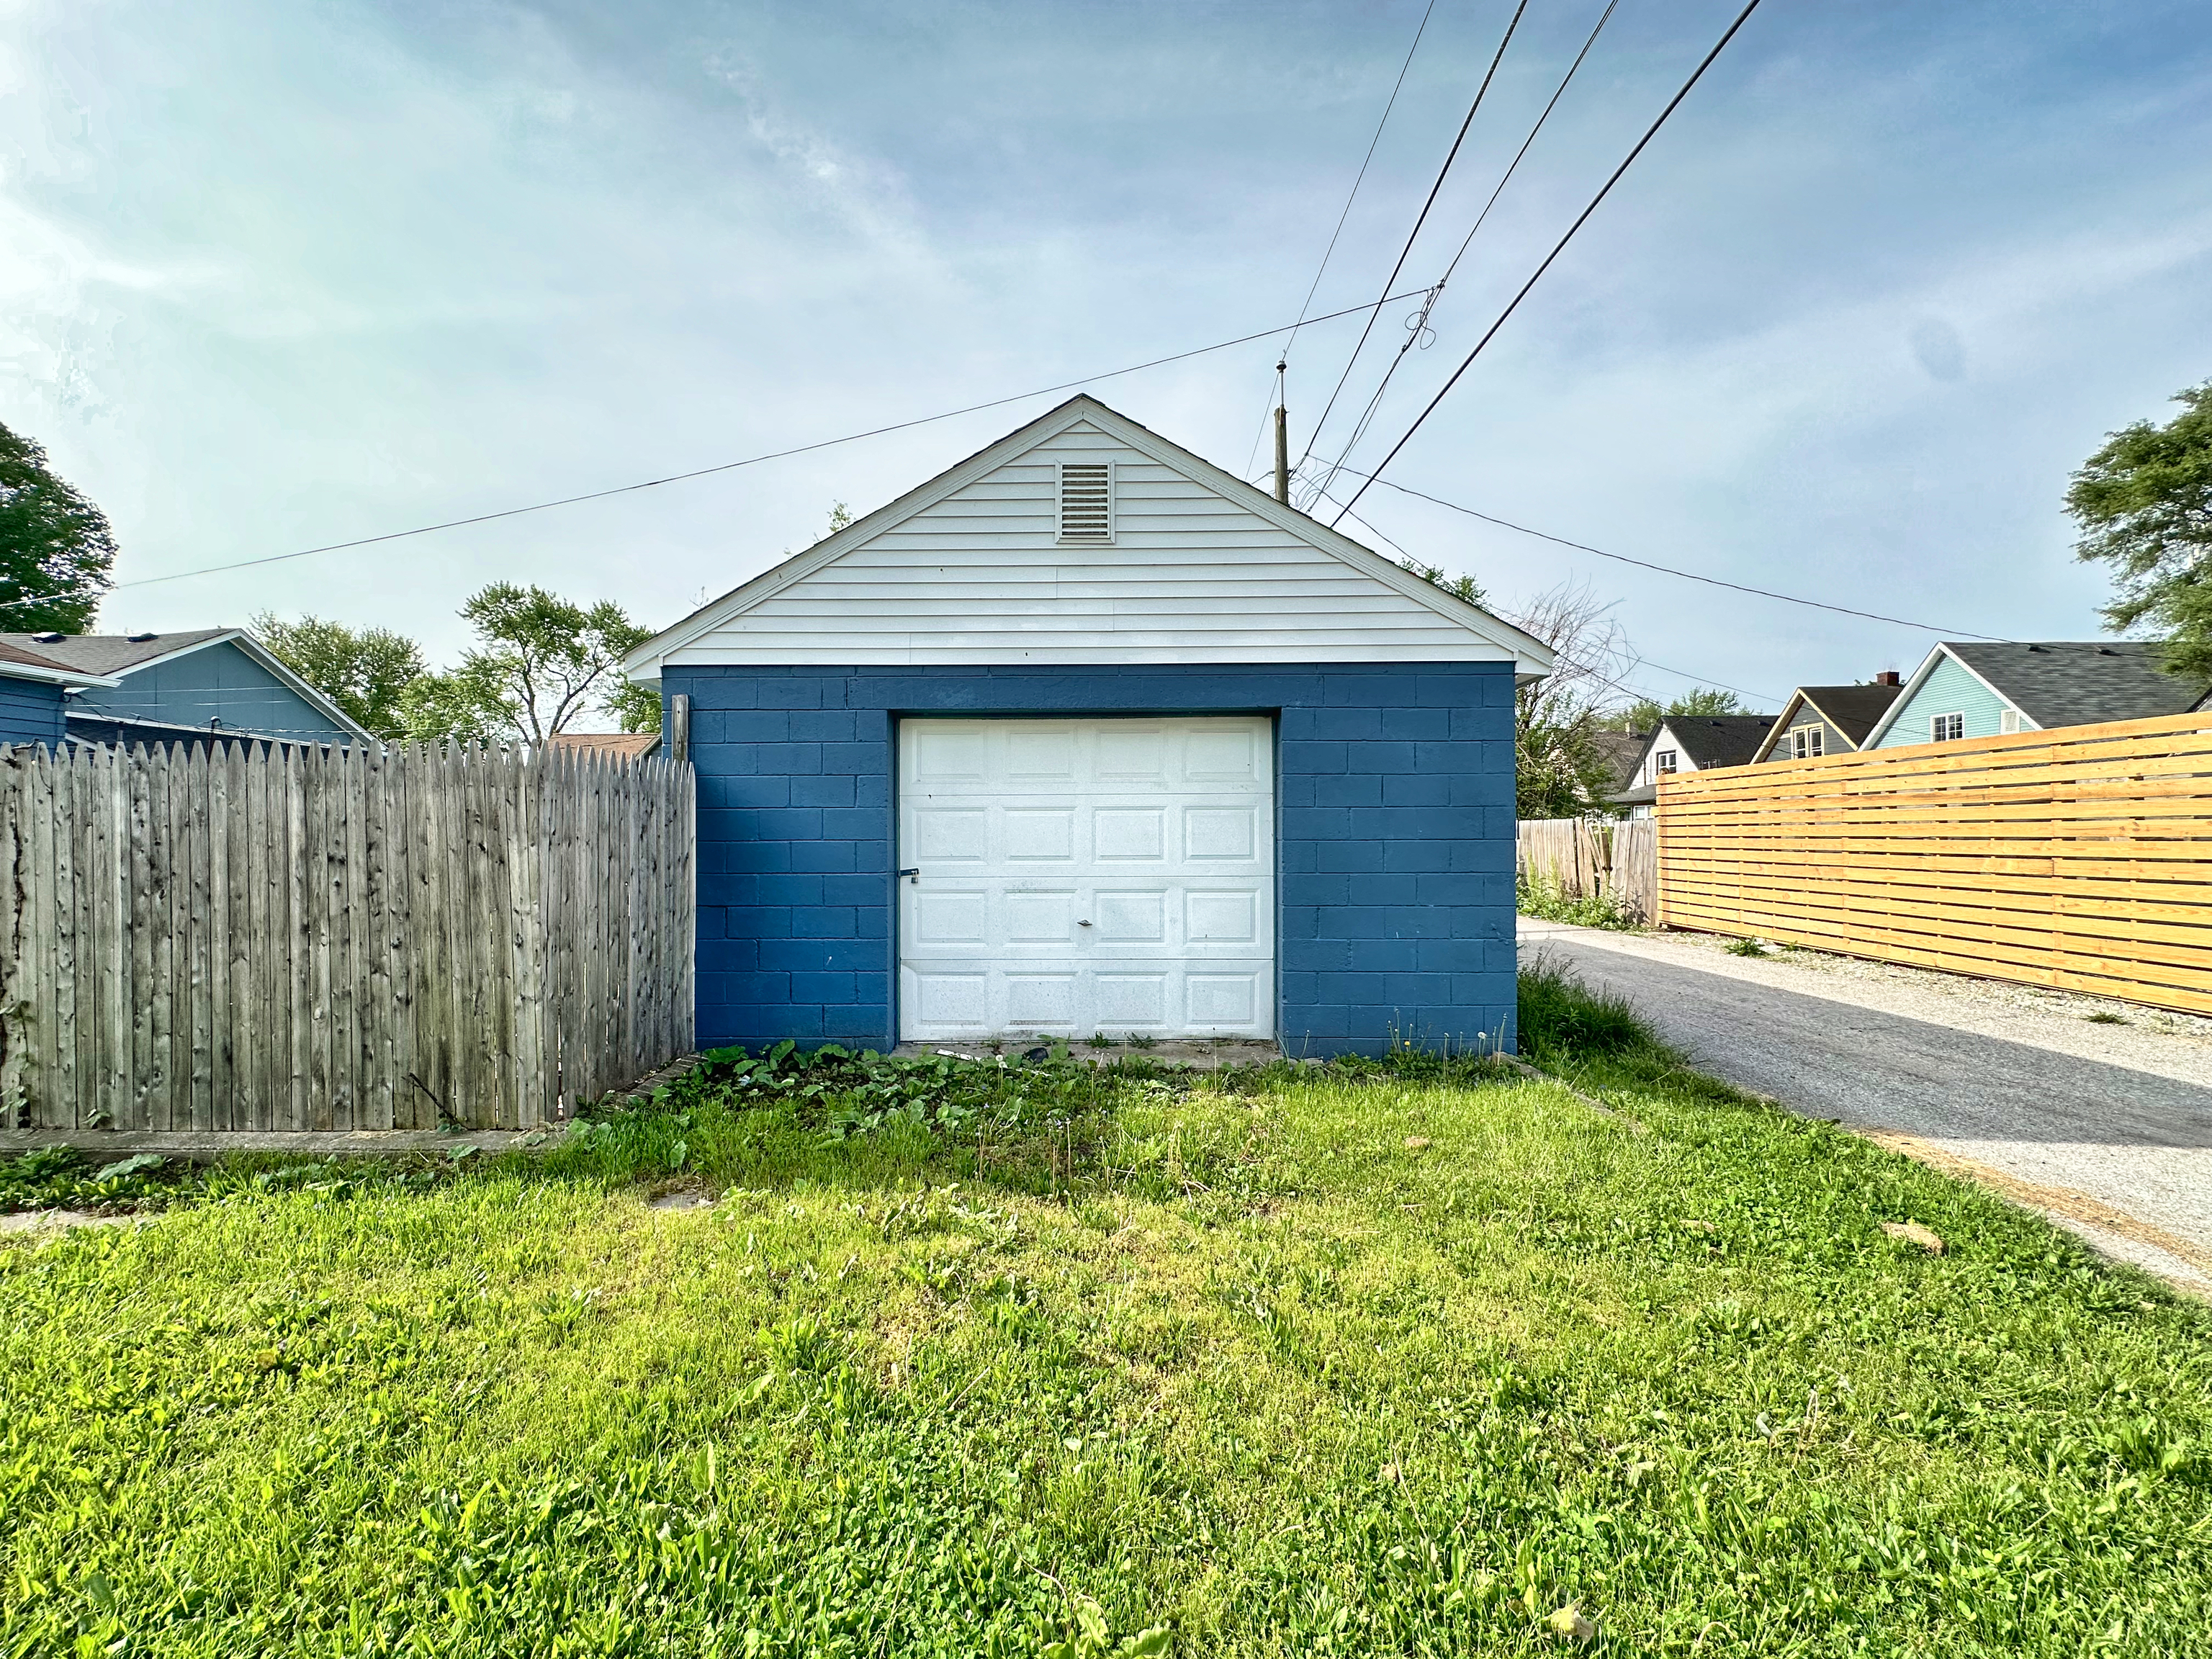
x: 1984, y: 691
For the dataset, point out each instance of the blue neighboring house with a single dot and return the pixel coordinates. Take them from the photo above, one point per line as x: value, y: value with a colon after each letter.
x: 1985, y: 689
x: 34, y: 695
x: 1085, y: 735
x: 192, y: 687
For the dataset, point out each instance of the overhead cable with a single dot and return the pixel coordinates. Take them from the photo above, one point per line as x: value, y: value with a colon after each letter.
x: 1419, y: 324
x: 1327, y: 253
x: 724, y: 467
x: 1669, y: 570
x: 1580, y: 219
x: 1489, y: 74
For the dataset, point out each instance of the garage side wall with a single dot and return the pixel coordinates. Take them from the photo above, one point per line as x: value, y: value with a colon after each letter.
x: 1395, y: 837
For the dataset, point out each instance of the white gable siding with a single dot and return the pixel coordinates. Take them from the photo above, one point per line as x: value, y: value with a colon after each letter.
x: 981, y: 577
x: 1648, y: 772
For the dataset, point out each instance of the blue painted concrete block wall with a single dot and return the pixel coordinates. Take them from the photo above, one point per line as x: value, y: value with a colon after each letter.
x: 1395, y: 838
x: 31, y: 711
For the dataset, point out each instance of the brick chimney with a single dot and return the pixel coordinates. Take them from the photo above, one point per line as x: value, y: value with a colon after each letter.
x: 1887, y: 677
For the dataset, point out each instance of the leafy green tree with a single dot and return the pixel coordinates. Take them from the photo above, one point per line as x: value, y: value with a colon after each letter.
x: 539, y: 662
x: 367, y: 672
x: 1460, y: 587
x: 2144, y: 506
x: 1645, y: 713
x: 56, y: 548
x: 635, y: 708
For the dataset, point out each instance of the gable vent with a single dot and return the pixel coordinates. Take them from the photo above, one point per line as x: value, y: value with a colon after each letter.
x: 1086, y: 501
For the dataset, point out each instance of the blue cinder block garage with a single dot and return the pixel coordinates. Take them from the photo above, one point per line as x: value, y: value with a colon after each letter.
x: 1085, y: 735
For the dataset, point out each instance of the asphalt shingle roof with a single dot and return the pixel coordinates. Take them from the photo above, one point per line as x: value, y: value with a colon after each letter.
x: 108, y: 654
x: 28, y: 659
x: 1851, y: 709
x: 2080, y: 683
x: 1623, y: 752
x: 1720, y: 739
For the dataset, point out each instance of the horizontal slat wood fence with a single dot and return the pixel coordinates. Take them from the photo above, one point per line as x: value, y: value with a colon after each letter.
x: 2079, y: 858
x: 241, y: 937
x: 1585, y: 858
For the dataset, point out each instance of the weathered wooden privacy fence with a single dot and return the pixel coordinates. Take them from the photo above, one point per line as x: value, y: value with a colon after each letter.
x: 1585, y: 859
x: 2079, y: 858
x: 297, y: 939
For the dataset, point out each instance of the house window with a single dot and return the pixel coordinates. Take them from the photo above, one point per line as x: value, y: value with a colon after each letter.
x: 1086, y: 501
x: 1662, y: 760
x: 1946, y: 728
x: 1807, y: 742
x: 2008, y: 721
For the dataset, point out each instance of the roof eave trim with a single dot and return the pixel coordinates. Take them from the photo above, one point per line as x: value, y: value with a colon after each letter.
x: 1936, y: 654
x: 1797, y: 700
x: 1531, y: 657
x: 67, y: 679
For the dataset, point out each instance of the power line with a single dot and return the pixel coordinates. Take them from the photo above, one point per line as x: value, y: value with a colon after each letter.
x: 1669, y: 570
x: 1580, y: 219
x: 1396, y: 87
x: 724, y: 467
x: 1329, y: 251
x: 1421, y: 321
x: 1423, y: 218
x: 1641, y: 661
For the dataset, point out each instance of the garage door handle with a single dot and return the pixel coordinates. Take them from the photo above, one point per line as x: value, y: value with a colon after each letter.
x: 915, y: 872
x: 1082, y: 924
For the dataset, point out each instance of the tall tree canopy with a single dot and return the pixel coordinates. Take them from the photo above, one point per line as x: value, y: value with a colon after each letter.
x: 367, y: 672
x: 1645, y: 713
x: 539, y: 663
x: 2144, y: 506
x: 56, y: 548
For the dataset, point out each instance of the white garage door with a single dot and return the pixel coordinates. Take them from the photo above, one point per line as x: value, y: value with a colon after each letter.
x: 1085, y: 876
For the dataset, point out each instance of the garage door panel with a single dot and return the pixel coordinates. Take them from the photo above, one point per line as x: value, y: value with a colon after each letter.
x: 1037, y: 753
x: 940, y: 835
x: 1219, y: 917
x: 1041, y: 1001
x: 1224, y: 757
x: 943, y: 754
x: 1131, y: 916
x: 951, y: 1002
x: 1155, y: 839
x: 1124, y: 834
x: 1041, y: 835
x: 1219, y: 832
x: 952, y: 918
x: 1132, y: 1001
x: 1040, y: 918
x: 1223, y: 1000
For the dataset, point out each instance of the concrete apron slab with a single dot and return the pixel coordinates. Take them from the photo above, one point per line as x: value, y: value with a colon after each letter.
x: 1199, y: 1054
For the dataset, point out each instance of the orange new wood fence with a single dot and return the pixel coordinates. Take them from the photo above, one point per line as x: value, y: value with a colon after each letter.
x: 2079, y: 858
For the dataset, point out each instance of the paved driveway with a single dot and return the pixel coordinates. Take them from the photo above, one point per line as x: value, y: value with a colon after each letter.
x: 2105, y: 1127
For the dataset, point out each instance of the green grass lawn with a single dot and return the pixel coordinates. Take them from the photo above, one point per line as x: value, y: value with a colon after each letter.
x: 1038, y: 1363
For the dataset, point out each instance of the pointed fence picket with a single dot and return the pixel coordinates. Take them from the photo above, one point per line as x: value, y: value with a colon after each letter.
x: 241, y: 937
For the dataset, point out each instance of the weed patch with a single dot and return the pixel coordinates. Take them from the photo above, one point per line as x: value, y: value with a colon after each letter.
x: 1412, y: 1356
x: 1545, y: 899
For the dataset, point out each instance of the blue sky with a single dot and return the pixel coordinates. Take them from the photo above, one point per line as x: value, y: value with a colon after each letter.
x: 274, y: 274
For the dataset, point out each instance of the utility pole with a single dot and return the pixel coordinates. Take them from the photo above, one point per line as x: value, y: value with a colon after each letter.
x: 1282, y: 455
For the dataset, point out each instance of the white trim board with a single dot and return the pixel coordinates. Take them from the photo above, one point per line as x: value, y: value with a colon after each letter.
x: 1941, y: 651
x: 61, y: 676
x: 1204, y: 567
